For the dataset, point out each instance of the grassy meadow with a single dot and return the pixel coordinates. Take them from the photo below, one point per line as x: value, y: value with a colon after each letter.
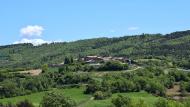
x: 83, y: 100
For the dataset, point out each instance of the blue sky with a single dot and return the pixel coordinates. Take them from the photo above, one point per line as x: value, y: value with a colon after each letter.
x: 69, y: 20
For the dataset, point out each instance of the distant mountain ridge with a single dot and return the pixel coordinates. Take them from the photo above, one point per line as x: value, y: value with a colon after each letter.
x: 175, y: 45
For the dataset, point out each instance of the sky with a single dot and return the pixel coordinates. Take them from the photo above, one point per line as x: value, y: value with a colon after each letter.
x: 41, y: 21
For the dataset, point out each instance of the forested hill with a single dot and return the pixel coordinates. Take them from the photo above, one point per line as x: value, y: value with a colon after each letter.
x: 174, y: 46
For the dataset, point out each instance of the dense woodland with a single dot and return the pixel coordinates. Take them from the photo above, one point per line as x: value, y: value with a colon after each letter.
x: 174, y: 46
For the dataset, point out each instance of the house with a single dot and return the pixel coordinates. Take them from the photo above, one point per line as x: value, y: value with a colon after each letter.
x: 122, y: 59
x: 106, y: 59
x: 97, y: 59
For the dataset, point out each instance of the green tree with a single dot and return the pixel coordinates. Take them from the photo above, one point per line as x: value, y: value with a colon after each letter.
x: 92, y: 87
x: 99, y: 95
x: 8, y: 89
x: 113, y: 66
x: 122, y: 101
x: 68, y: 60
x: 55, y: 99
x: 44, y: 68
x: 24, y: 103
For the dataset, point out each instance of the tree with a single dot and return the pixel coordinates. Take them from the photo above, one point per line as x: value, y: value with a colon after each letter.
x: 185, y: 86
x: 44, y: 68
x: 187, y: 102
x: 25, y: 103
x: 55, y: 99
x: 122, y: 101
x: 155, y: 88
x: 168, y: 103
x: 100, y: 95
x: 113, y: 66
x: 68, y: 60
x: 92, y: 87
x: 8, y: 89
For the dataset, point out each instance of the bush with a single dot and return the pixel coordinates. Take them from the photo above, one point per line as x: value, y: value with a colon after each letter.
x: 44, y: 68
x: 92, y: 87
x: 68, y: 60
x: 113, y: 66
x: 122, y: 101
x: 161, y: 103
x: 123, y: 85
x: 99, y: 95
x: 187, y: 102
x: 54, y: 99
x: 8, y: 88
x: 185, y: 86
x: 24, y: 103
x: 179, y: 75
x: 168, y: 103
x: 155, y: 88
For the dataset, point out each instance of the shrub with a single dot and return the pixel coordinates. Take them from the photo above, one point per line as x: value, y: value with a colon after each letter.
x: 24, y: 103
x: 55, y: 99
x: 92, y: 87
x: 168, y: 103
x: 8, y: 88
x: 155, y: 88
x: 122, y: 101
x: 113, y: 66
x: 187, y: 102
x: 161, y: 103
x: 44, y: 68
x: 99, y: 95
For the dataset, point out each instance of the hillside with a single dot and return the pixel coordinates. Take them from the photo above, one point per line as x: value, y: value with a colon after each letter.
x: 172, y: 46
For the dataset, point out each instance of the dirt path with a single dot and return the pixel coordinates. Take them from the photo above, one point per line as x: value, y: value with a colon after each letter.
x: 84, y: 102
x: 186, y: 70
x: 138, y: 67
x: 33, y: 72
x: 175, y: 91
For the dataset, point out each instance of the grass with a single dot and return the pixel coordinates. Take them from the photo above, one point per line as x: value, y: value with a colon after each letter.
x: 148, y: 98
x: 35, y: 98
x: 82, y: 99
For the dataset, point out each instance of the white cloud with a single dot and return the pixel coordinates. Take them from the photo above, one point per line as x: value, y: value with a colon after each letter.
x: 35, y: 42
x: 31, y: 34
x: 32, y: 31
x: 133, y: 28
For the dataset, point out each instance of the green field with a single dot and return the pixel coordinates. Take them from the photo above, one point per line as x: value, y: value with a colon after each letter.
x: 148, y: 98
x: 82, y: 99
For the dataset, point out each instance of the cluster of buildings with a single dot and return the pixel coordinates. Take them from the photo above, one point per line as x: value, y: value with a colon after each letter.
x: 97, y: 59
